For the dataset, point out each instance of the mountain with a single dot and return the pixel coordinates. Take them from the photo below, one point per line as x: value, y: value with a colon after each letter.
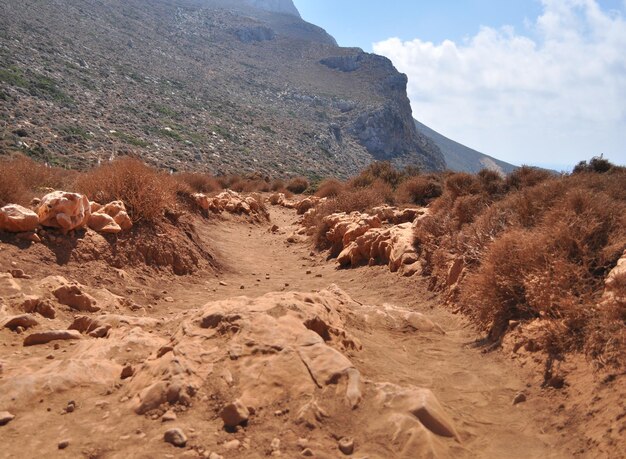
x: 217, y: 85
x: 461, y: 158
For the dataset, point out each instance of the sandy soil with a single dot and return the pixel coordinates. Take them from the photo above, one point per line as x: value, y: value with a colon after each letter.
x: 476, y: 389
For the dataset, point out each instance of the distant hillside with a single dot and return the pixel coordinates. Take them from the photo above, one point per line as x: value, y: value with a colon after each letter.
x: 218, y: 85
x: 461, y: 158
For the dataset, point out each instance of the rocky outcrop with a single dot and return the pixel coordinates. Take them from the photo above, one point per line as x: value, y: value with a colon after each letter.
x: 391, y: 246
x: 17, y: 219
x: 67, y: 211
x: 232, y: 202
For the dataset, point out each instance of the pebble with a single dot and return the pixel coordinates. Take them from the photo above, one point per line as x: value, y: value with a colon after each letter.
x: 346, y: 446
x: 215, y: 456
x: 169, y: 415
x: 275, y: 445
x: 169, y: 299
x: 127, y: 372
x: 233, y: 444
x: 6, y: 417
x: 63, y: 444
x: 302, y: 443
x: 175, y: 437
x: 223, y: 284
x: 307, y: 452
x: 519, y: 398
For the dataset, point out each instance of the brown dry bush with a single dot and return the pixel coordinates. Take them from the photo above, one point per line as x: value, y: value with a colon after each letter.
x: 329, y: 188
x: 198, y: 182
x: 22, y: 179
x: 147, y: 192
x: 527, y: 176
x: 382, y: 171
x: 419, y: 190
x: 297, y: 185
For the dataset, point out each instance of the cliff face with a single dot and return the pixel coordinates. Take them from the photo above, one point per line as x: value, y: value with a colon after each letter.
x: 225, y: 86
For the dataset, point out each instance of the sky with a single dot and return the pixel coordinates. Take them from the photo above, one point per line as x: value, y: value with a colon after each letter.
x: 539, y: 82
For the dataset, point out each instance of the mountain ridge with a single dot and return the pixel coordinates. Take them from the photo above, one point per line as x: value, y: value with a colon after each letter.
x: 461, y: 158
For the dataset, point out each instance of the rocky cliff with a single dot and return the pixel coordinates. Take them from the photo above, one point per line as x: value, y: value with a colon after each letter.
x: 237, y: 86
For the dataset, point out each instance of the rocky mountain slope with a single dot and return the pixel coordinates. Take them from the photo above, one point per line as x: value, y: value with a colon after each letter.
x: 461, y: 158
x: 224, y: 86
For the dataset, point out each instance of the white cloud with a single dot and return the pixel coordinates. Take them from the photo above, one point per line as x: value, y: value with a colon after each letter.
x: 553, y: 96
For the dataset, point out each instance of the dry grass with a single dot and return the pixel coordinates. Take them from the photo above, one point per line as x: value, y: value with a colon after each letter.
x: 329, y: 188
x: 419, y: 190
x: 22, y: 179
x: 535, y: 246
x: 198, y: 183
x: 297, y: 185
x: 147, y: 192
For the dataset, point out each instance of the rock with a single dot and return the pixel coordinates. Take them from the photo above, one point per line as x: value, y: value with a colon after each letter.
x: 168, y: 416
x: 127, y: 372
x: 232, y: 202
x: 111, y: 218
x: 25, y: 321
x: 63, y: 444
x: 215, y: 456
x: 306, y: 204
x: 346, y: 446
x: 232, y: 444
x: 275, y: 445
x: 103, y: 223
x: 234, y: 414
x: 35, y: 304
x: 30, y: 236
x: 5, y: 417
x: 175, y: 437
x: 64, y: 210
x: 51, y: 335
x: 71, y: 294
x: 519, y: 398
x: 19, y: 274
x: 17, y: 219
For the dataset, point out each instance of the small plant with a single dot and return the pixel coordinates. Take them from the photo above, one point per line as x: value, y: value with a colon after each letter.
x: 298, y: 185
x: 147, y: 192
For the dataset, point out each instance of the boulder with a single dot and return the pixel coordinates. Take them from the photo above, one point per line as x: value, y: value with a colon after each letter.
x: 103, y: 223
x: 51, y: 335
x: 72, y: 295
x: 64, y: 210
x: 24, y: 320
x: 232, y: 202
x: 175, y: 437
x: 111, y: 218
x: 41, y: 306
x: 234, y: 414
x: 391, y: 246
x: 17, y: 219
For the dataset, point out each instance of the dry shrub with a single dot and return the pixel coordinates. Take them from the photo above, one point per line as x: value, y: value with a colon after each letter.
x: 297, y: 185
x: 378, y: 171
x: 277, y: 185
x: 199, y: 183
x: 527, y: 176
x: 462, y: 184
x: 22, y: 179
x: 491, y: 182
x: 146, y: 191
x: 329, y: 188
x: 419, y: 190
